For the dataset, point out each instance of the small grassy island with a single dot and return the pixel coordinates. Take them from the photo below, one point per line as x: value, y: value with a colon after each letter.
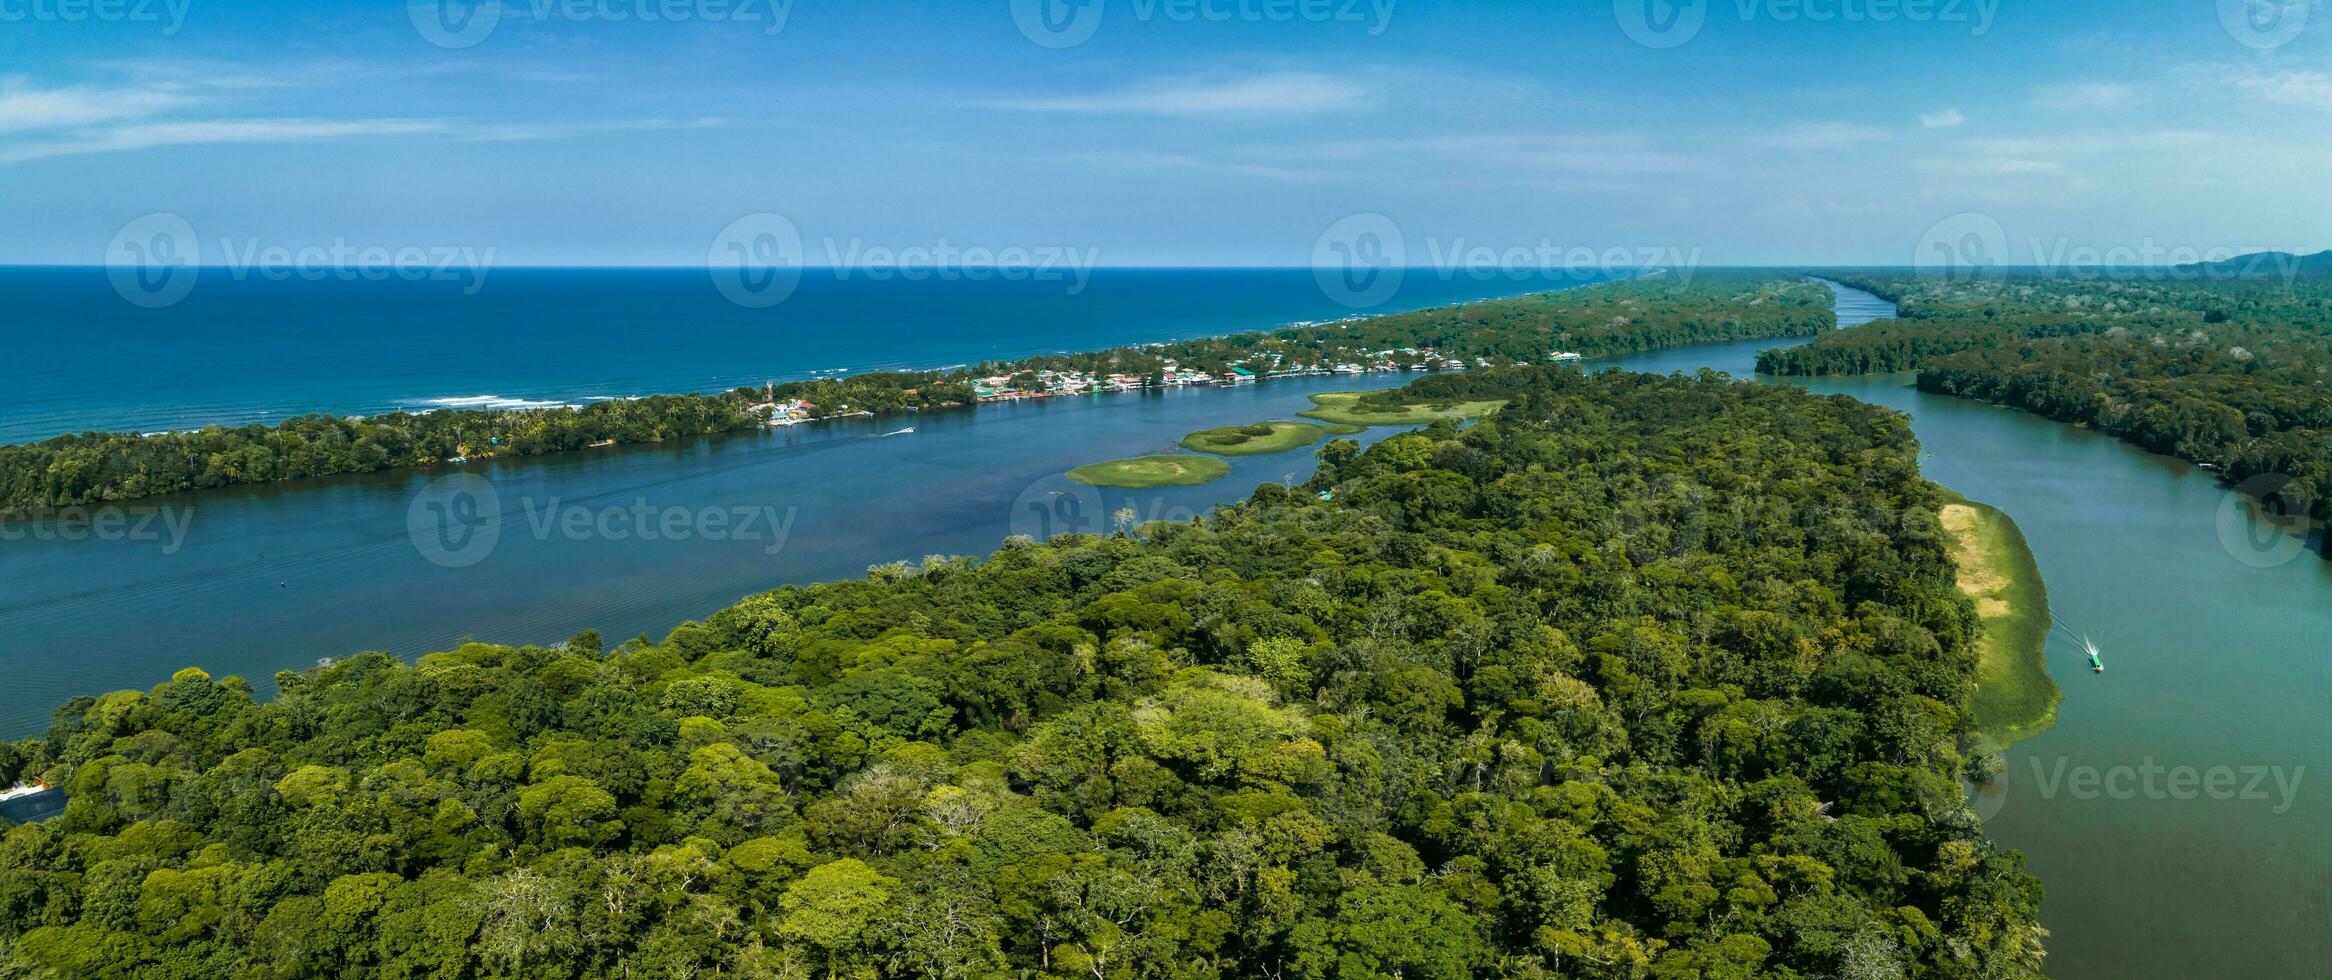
x: 1145, y: 472
x: 1262, y: 438
x: 1357, y: 408
x: 2015, y: 699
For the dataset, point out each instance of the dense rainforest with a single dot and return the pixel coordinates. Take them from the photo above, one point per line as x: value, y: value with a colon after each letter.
x: 97, y: 467
x: 2235, y: 373
x: 1642, y: 677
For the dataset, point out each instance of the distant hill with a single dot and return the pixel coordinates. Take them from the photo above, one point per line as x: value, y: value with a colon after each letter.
x: 2264, y: 264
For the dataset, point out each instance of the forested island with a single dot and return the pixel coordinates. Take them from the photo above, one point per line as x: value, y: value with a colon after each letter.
x: 1612, y: 318
x: 2229, y: 372
x: 1638, y: 677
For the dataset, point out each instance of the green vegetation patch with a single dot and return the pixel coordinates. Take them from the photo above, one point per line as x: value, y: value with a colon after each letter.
x: 2015, y: 699
x: 1144, y: 472
x: 1355, y: 408
x: 1261, y: 438
x: 1010, y: 767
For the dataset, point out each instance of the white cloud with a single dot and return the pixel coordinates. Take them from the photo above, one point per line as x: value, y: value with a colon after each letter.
x: 1825, y: 136
x: 1271, y: 93
x: 150, y: 110
x: 24, y: 108
x: 147, y: 135
x: 2015, y: 166
x: 507, y: 132
x: 2301, y: 88
x: 142, y: 136
x: 1942, y: 120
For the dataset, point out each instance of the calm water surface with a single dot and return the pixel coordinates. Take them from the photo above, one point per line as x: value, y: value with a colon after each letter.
x: 532, y: 550
x: 238, y: 351
x: 2215, y: 641
x: 2214, y: 634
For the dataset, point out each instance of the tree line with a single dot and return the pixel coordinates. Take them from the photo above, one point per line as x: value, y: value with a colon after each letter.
x: 1642, y: 677
x: 101, y: 467
x: 2228, y: 372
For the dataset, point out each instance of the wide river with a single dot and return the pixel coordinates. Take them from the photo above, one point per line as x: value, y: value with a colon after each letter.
x: 2176, y: 813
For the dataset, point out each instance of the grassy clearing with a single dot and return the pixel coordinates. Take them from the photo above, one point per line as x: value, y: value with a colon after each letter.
x: 2015, y: 699
x: 1144, y: 472
x: 1344, y: 408
x: 1261, y: 437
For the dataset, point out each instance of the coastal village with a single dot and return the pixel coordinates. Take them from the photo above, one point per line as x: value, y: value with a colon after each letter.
x: 1038, y: 384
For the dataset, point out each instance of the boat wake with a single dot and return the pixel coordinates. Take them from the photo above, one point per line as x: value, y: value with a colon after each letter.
x: 2088, y: 646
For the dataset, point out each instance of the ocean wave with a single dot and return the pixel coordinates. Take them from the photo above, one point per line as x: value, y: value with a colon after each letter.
x: 491, y: 401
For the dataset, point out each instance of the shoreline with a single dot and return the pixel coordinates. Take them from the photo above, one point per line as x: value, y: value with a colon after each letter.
x: 2015, y: 697
x: 188, y: 460
x: 715, y: 381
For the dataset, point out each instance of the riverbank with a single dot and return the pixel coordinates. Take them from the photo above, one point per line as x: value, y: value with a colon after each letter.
x: 2015, y: 699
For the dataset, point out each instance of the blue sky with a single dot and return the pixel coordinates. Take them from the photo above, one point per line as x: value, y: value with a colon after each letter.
x: 1170, y: 132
